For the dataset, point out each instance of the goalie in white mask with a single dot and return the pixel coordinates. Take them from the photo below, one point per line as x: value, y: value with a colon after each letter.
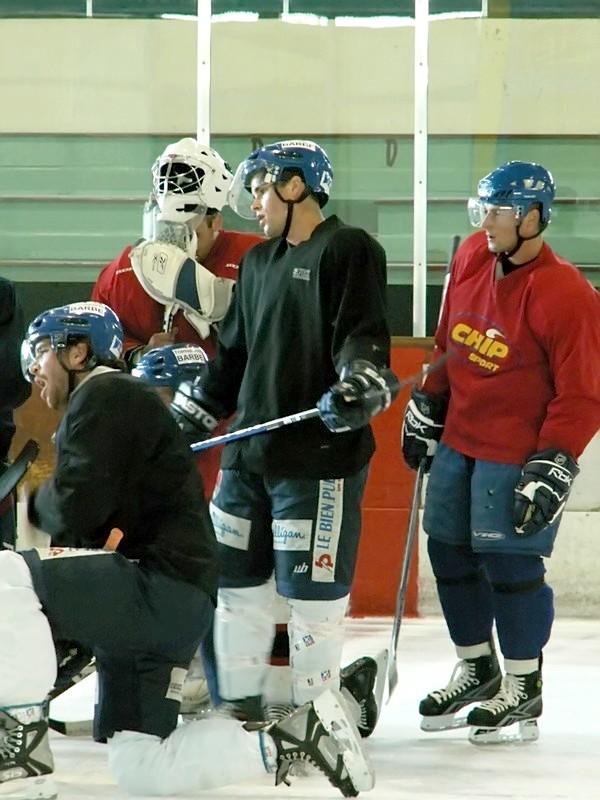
x: 190, y: 184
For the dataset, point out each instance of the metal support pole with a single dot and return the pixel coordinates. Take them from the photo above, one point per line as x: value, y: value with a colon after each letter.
x: 203, y: 71
x: 420, y: 167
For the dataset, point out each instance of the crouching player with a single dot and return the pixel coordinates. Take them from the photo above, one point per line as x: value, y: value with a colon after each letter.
x: 124, y: 475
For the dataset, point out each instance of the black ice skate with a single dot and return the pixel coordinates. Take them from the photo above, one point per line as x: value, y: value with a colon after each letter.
x: 518, y: 700
x: 473, y: 680
x: 322, y: 734
x: 25, y: 757
x: 364, y: 679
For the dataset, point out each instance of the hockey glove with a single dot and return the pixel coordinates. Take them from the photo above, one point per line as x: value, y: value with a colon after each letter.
x: 194, y: 413
x: 542, y: 490
x: 362, y: 391
x: 422, y: 428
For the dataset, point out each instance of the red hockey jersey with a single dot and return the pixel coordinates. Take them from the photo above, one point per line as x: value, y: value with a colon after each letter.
x: 523, y: 372
x: 141, y: 315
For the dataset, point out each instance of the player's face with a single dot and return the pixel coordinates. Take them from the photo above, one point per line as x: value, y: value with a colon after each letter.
x: 51, y: 378
x: 500, y: 226
x: 270, y: 211
x: 206, y: 233
x: 165, y: 393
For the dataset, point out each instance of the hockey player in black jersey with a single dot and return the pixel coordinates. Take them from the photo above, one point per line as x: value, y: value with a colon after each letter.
x: 131, y: 574
x: 307, y: 325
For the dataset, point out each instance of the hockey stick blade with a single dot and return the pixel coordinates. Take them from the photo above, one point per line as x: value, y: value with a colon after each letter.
x: 76, y: 727
x: 411, y: 537
x: 15, y: 471
x: 301, y: 416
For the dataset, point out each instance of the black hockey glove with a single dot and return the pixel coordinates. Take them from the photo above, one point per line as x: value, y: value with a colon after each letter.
x: 195, y: 414
x: 422, y: 428
x: 542, y: 490
x: 362, y: 391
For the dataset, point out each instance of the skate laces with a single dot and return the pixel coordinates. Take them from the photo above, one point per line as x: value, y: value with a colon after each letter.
x: 11, y: 742
x: 463, y: 677
x: 511, y: 692
x: 275, y: 712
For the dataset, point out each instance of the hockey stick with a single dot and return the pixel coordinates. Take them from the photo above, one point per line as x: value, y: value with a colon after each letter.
x: 300, y: 416
x: 413, y: 526
x: 80, y: 727
x: 411, y: 537
x: 15, y: 471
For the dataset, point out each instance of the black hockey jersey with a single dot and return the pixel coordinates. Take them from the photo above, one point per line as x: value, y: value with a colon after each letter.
x: 299, y: 315
x: 122, y: 462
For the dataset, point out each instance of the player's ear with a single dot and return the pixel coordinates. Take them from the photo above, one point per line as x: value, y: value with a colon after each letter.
x: 78, y: 354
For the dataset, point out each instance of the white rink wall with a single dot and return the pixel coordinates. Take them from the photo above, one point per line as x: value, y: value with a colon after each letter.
x: 574, y: 569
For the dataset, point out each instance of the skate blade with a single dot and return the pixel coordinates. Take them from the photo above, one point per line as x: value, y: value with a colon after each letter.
x: 444, y: 722
x: 382, y: 660
x: 42, y: 787
x: 330, y: 708
x: 526, y: 733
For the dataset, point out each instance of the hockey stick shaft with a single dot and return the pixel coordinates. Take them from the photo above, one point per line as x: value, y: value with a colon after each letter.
x: 292, y: 419
x: 15, y: 471
x: 411, y: 537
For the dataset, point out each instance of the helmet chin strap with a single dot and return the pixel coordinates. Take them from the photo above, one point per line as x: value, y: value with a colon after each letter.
x: 521, y: 239
x: 290, y: 208
x: 71, y: 373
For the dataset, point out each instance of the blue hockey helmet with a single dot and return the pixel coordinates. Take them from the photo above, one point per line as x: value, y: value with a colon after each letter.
x: 273, y: 160
x: 93, y: 322
x: 170, y: 365
x: 520, y: 185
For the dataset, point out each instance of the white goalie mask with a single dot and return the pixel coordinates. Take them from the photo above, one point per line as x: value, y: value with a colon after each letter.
x: 188, y: 178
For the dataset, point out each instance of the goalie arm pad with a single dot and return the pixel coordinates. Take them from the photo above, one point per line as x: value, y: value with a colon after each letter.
x: 363, y: 391
x: 543, y: 490
x: 422, y: 428
x: 171, y: 277
x: 196, y: 414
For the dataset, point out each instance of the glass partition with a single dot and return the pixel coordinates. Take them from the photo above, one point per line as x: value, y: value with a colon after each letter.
x: 92, y: 91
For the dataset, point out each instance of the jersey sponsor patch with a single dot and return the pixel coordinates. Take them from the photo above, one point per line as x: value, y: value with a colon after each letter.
x: 327, y: 530
x: 301, y: 274
x: 291, y: 534
x: 230, y: 530
x: 175, y: 688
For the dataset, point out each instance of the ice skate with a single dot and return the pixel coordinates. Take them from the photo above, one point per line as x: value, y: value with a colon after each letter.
x: 321, y: 734
x: 364, y: 679
x: 26, y: 763
x: 519, y: 700
x: 473, y: 680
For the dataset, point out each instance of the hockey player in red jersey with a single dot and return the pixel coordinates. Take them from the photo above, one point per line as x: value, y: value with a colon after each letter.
x: 190, y: 185
x: 501, y: 426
